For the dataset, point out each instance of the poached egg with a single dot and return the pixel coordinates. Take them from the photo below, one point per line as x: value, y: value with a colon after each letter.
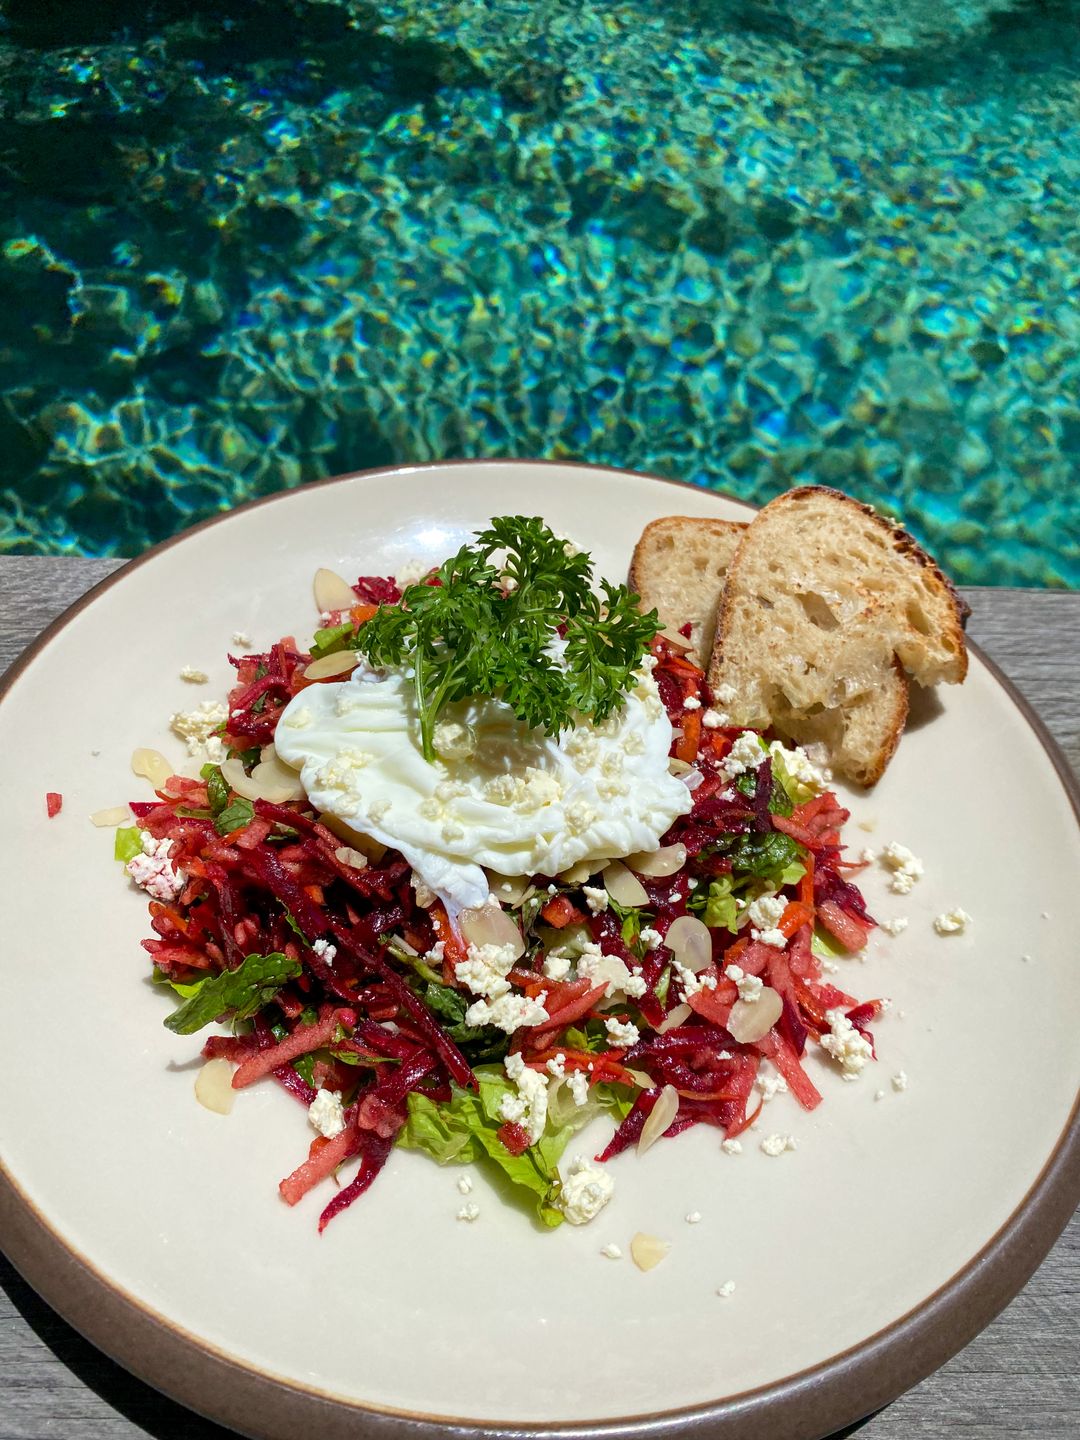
x: 499, y: 796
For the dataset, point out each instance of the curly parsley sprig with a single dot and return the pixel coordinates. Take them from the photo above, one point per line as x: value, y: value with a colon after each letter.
x: 490, y: 629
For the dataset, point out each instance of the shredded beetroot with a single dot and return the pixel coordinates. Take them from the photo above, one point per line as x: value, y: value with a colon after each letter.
x: 352, y: 1017
x: 377, y: 590
x: 53, y: 803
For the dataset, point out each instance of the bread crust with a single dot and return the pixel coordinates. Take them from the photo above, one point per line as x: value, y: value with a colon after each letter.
x: 950, y: 616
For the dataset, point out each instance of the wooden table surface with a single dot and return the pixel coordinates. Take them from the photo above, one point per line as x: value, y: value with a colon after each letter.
x: 1018, y: 1379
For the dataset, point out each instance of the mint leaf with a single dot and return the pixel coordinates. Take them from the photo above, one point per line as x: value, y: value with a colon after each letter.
x: 236, y: 814
x: 128, y: 843
x: 217, y: 788
x: 242, y: 991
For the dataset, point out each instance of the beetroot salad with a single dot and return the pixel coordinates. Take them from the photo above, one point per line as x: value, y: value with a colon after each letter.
x: 666, y: 989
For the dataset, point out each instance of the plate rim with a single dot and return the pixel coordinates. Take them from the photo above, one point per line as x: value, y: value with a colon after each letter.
x: 808, y: 1404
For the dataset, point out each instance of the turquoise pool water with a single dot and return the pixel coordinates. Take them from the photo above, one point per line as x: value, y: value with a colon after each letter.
x: 748, y: 243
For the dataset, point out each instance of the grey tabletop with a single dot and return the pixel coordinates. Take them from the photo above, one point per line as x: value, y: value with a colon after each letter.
x: 1020, y: 1378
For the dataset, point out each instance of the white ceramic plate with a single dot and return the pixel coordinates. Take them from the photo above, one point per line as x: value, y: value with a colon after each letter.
x: 898, y: 1227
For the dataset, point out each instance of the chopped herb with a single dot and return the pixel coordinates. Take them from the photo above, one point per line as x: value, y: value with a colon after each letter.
x: 238, y: 813
x: 243, y: 991
x: 466, y: 637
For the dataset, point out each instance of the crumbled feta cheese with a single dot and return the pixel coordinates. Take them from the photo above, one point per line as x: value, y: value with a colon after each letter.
x: 952, y: 922
x: 651, y: 938
x: 508, y: 1012
x: 879, y: 1094
x: 611, y: 1252
x: 692, y: 984
x: 728, y: 1288
x: 846, y: 1044
x: 485, y: 968
x: 748, y: 986
x: 894, y: 927
x: 622, y: 1033
x: 586, y: 1190
x: 529, y: 1106
x: 556, y: 1066
x: 241, y: 639
x: 425, y: 896
x: 609, y: 971
x: 799, y: 766
x: 764, y: 915
x: 771, y: 1085
x: 579, y: 1086
x: 906, y: 867
x: 725, y: 693
x: 691, y: 703
x: 193, y: 676
x: 694, y: 1217
x: 326, y: 1113
x: 196, y: 728
x: 746, y: 754
x: 556, y: 967
x: 464, y: 1184
x: 731, y: 1147
x: 867, y: 855
x: 596, y: 898
x: 713, y: 720
x: 469, y: 1212
x: 453, y: 741
x: 899, y: 1080
x: 776, y: 1144
x: 154, y: 871
x: 437, y: 954
x: 326, y: 950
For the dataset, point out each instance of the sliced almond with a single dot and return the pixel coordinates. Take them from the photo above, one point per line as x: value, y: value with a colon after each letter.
x: 489, y: 925
x: 270, y: 780
x: 647, y: 1251
x: 658, y: 863
x: 152, y: 765
x: 752, y: 1020
x: 690, y: 941
x: 659, y: 1118
x: 641, y: 1080
x: 509, y: 890
x: 214, y: 1088
x: 114, y: 815
x: 680, y: 642
x: 332, y: 592
x: 675, y: 1016
x: 355, y: 859
x: 625, y: 889
x: 339, y: 663
x: 678, y: 767
x: 579, y: 873
x: 366, y: 844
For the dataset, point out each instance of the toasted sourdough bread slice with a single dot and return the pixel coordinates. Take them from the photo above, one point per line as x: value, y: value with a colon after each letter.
x: 826, y: 605
x: 679, y: 566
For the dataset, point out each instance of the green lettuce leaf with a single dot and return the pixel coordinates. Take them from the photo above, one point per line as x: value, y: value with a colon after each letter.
x: 465, y: 1131
x: 716, y: 905
x: 797, y: 792
x: 825, y: 947
x: 128, y: 843
x: 242, y: 992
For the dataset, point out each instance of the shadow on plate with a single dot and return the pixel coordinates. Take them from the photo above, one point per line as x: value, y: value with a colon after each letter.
x: 925, y: 707
x: 150, y: 1412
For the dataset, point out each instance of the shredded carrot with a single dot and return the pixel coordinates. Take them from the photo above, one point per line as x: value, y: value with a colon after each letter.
x: 687, y: 748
